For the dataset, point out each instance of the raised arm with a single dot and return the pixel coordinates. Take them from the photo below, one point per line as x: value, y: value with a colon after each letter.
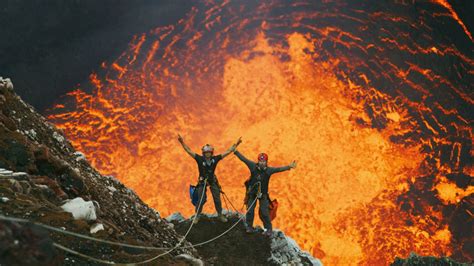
x: 186, y: 147
x: 274, y: 170
x: 232, y: 148
x: 249, y: 163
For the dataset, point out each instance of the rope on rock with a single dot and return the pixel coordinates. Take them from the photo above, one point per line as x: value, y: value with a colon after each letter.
x: 59, y: 246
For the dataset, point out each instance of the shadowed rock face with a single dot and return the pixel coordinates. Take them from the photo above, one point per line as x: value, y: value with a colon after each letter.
x: 414, y: 259
x: 235, y: 247
x: 238, y: 247
x: 28, y: 242
x: 40, y: 171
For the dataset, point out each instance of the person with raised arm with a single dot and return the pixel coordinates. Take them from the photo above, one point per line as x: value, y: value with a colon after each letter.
x: 207, y: 163
x: 257, y: 188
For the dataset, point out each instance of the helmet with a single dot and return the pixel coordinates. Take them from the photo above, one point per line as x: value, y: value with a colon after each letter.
x: 263, y: 157
x: 207, y: 148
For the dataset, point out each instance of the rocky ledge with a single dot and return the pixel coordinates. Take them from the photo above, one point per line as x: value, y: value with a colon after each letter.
x: 238, y: 247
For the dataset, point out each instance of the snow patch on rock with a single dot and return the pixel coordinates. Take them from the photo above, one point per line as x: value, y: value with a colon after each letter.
x: 80, y: 209
x: 5, y: 172
x: 96, y: 228
x: 11, y: 174
x: 79, y: 156
x: 190, y: 260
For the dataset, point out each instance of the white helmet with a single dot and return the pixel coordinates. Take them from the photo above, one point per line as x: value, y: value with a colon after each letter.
x: 207, y: 148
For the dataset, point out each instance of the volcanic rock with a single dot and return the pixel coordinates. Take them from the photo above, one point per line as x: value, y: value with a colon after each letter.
x: 30, y: 243
x: 286, y: 251
x: 175, y: 218
x: 415, y: 260
x: 39, y: 170
x: 239, y: 248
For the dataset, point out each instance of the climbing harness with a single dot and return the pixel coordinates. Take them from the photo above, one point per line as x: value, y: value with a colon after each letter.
x: 249, y: 190
x: 185, y: 235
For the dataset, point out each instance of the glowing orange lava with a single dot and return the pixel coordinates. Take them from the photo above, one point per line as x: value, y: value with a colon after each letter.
x: 216, y: 76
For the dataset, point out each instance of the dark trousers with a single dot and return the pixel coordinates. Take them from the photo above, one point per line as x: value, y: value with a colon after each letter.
x: 216, y: 195
x: 264, y: 210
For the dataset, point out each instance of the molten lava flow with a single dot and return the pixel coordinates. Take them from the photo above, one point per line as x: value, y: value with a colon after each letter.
x: 382, y: 144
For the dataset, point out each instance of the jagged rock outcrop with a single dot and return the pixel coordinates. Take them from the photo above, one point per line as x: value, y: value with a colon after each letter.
x: 40, y: 171
x: 415, y: 260
x: 286, y: 251
x: 239, y: 248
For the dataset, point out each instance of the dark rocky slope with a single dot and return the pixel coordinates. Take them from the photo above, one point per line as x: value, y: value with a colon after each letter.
x: 415, y: 260
x: 40, y: 171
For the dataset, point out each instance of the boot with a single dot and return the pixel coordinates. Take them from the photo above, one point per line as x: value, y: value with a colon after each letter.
x: 249, y: 230
x: 268, y: 233
x: 222, y: 218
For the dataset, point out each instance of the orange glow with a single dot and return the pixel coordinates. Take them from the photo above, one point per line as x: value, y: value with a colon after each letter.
x: 450, y: 193
x: 453, y: 13
x: 344, y: 202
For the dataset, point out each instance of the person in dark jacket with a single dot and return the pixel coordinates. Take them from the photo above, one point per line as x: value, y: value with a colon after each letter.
x: 207, y: 163
x: 257, y: 188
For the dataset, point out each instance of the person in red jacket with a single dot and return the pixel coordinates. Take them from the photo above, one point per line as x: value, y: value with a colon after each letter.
x: 257, y: 188
x: 207, y: 163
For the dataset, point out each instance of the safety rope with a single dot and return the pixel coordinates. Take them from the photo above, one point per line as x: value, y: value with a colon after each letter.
x: 226, y: 205
x: 154, y: 258
x: 226, y: 199
x: 20, y: 220
x: 2, y: 217
x: 185, y: 235
x: 226, y: 231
